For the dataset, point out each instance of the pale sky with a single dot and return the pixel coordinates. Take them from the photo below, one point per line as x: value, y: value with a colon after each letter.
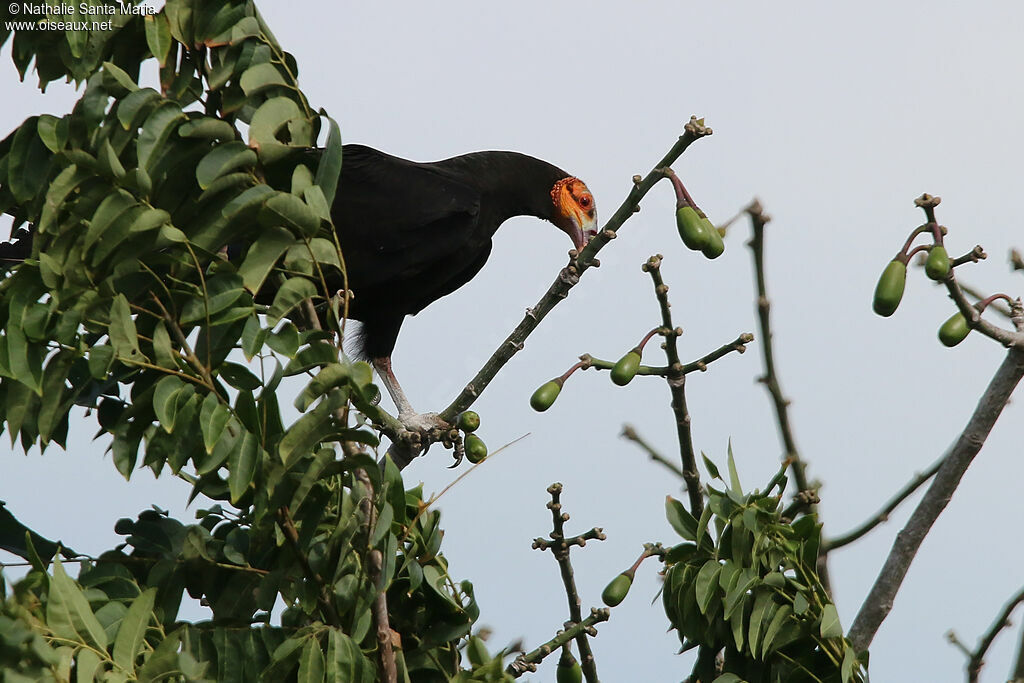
x: 837, y: 118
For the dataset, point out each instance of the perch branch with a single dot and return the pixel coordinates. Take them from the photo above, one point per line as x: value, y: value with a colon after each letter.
x: 570, y: 275
x: 976, y: 658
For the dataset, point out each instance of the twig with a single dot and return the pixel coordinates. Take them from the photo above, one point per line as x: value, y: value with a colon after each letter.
x: 998, y: 306
x: 629, y: 432
x: 879, y: 601
x: 291, y: 534
x: 883, y: 515
x: 977, y: 657
x: 528, y: 661
x: 759, y: 219
x: 560, y: 549
x: 676, y: 379
x: 375, y: 565
x: 1018, y: 666
x: 569, y: 276
x: 771, y: 379
x: 738, y: 346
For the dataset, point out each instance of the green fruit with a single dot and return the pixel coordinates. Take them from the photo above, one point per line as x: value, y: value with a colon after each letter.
x: 691, y: 228
x: 889, y: 290
x: 625, y: 370
x: 937, y: 265
x: 476, y: 449
x: 568, y: 670
x: 468, y: 421
x: 954, y: 330
x: 615, y: 592
x: 715, y: 245
x: 545, y: 396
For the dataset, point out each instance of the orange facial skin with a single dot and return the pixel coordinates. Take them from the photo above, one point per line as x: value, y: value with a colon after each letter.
x: 575, y: 210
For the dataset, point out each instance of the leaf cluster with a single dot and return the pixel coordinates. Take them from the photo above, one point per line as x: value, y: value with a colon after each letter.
x: 743, y: 583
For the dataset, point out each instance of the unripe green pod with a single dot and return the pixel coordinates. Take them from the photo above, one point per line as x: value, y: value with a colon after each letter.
x: 937, y: 266
x: 889, y: 291
x: 468, y: 421
x: 568, y: 670
x: 615, y: 592
x: 625, y: 370
x: 691, y: 228
x: 476, y: 449
x: 715, y: 244
x: 545, y: 396
x: 954, y: 330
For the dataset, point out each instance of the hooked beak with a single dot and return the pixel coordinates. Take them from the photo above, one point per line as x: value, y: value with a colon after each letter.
x: 584, y: 228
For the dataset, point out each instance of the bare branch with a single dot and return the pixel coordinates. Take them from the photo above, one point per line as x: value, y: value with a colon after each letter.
x: 630, y: 433
x: 559, y: 546
x: 976, y: 659
x: 879, y: 601
x: 883, y: 515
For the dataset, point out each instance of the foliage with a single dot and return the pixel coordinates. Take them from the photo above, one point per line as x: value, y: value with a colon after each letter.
x: 744, y: 582
x: 177, y: 235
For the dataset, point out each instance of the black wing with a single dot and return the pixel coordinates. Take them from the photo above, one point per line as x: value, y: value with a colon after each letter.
x: 397, y: 219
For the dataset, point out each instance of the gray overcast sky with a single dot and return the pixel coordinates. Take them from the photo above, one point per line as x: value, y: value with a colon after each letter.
x: 836, y: 117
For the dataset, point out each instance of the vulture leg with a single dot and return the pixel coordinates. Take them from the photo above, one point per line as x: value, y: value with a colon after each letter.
x: 383, y: 367
x: 412, y: 420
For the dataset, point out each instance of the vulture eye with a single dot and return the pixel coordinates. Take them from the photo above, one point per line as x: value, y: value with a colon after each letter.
x: 584, y: 202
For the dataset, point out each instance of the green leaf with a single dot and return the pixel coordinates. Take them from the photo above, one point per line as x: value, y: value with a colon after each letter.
x: 239, y: 377
x: 29, y: 158
x: 345, y: 661
x: 259, y: 77
x: 271, y: 116
x: 132, y: 108
x: 830, y: 627
x: 734, y: 476
x: 706, y: 584
x: 784, y: 612
x: 149, y: 219
x: 800, y: 604
x: 849, y: 663
x: 760, y: 618
x: 309, y: 430
x: 123, y: 336
x: 213, y: 417
x: 288, y: 210
x: 158, y: 36
x: 108, y: 161
x: 728, y: 678
x: 329, y: 169
x: 207, y: 128
x: 56, y: 196
x: 131, y: 635
x: 311, y: 662
x: 293, y: 292
x: 162, y: 664
x: 87, y: 662
x: 68, y: 613
x: 242, y: 465
x: 53, y: 132
x: 222, y: 160
x: 156, y: 131
x: 710, y: 467
x: 115, y: 77
x: 165, y: 398
x: 680, y: 519
x: 263, y: 255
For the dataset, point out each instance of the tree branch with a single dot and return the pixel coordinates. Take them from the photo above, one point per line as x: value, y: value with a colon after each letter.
x: 630, y: 433
x: 375, y: 568
x: 560, y: 549
x: 528, y: 661
x: 883, y: 515
x: 879, y: 601
x: 676, y: 379
x: 977, y: 657
x: 570, y: 275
